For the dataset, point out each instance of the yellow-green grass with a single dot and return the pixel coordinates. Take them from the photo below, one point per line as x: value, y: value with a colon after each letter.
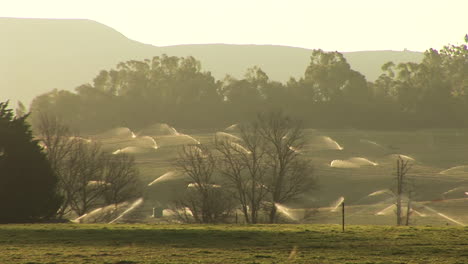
x: 73, y: 243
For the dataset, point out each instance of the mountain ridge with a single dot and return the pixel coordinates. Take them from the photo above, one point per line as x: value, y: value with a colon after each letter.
x: 43, y: 54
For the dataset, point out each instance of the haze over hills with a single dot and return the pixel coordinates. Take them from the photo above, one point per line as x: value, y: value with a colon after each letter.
x: 38, y: 55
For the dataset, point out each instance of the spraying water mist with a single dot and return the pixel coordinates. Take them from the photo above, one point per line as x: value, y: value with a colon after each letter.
x: 455, y: 170
x: 132, y: 207
x: 196, y: 185
x: 353, y: 163
x: 336, y: 204
x: 379, y: 192
x: 151, y: 142
x: 171, y: 175
x: 330, y: 143
x: 240, y: 147
x: 442, y: 215
x: 227, y: 136
x: 369, y: 142
x: 285, y: 211
x: 232, y: 127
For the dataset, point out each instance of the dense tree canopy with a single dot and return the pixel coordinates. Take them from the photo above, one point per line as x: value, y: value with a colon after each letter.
x: 330, y: 94
x: 27, y: 182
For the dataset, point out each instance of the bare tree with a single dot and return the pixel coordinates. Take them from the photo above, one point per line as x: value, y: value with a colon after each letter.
x: 264, y: 166
x: 402, y: 167
x: 58, y: 142
x: 290, y: 174
x: 85, y: 178
x: 121, y: 178
x: 244, y: 167
x: 88, y: 177
x: 206, y: 199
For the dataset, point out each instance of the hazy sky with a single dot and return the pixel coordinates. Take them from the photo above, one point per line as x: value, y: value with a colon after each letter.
x: 343, y: 25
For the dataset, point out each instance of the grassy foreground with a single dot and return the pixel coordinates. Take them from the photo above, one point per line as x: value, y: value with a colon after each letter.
x: 126, y: 244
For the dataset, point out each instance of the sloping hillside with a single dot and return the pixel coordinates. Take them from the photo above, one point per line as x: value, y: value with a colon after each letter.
x: 38, y: 55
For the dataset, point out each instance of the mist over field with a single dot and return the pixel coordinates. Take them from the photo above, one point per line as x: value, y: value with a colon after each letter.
x: 241, y: 132
x: 365, y: 117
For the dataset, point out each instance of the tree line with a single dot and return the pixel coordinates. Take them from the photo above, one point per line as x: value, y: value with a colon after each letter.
x: 56, y: 174
x: 166, y: 89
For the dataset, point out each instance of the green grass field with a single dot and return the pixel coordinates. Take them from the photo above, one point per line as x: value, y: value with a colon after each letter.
x: 125, y: 244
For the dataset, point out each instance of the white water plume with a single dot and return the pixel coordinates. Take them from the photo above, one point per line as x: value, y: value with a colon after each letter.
x: 363, y: 161
x: 194, y: 185
x: 137, y: 203
x: 442, y: 215
x: 337, y: 203
x: 151, y: 141
x: 379, y: 192
x: 455, y: 170
x: 386, y: 210
x: 371, y: 207
x: 294, y: 149
x: 240, y: 147
x: 98, y: 183
x: 343, y: 164
x: 171, y: 175
x: 418, y: 213
x: 131, y: 150
x: 454, y: 190
x: 102, y: 210
x: 173, y: 212
x: 159, y: 129
x: 189, y: 137
x: 372, y: 143
x: 403, y: 157
x: 352, y: 163
x: 285, y: 211
x: 174, y: 131
x: 78, y: 219
x: 227, y: 136
x: 330, y: 143
x: 232, y: 127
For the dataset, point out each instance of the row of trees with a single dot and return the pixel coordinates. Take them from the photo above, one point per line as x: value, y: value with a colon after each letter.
x: 57, y: 175
x: 252, y: 173
x: 330, y: 94
x: 61, y: 174
x: 88, y: 177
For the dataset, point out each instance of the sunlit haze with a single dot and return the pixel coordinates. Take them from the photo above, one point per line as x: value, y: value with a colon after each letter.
x: 330, y: 25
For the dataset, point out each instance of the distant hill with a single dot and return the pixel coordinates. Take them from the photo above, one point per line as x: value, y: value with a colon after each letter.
x: 38, y: 55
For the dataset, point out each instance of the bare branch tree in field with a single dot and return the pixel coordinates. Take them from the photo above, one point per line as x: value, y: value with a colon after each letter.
x: 244, y: 167
x: 121, y: 179
x: 58, y: 143
x: 88, y: 178
x: 86, y: 173
x: 204, y: 197
x: 402, y: 167
x: 290, y: 174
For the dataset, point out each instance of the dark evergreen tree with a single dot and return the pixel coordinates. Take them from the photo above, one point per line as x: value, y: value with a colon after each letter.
x: 27, y: 182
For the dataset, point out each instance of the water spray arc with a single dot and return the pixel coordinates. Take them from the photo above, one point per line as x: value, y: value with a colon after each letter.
x: 135, y: 204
